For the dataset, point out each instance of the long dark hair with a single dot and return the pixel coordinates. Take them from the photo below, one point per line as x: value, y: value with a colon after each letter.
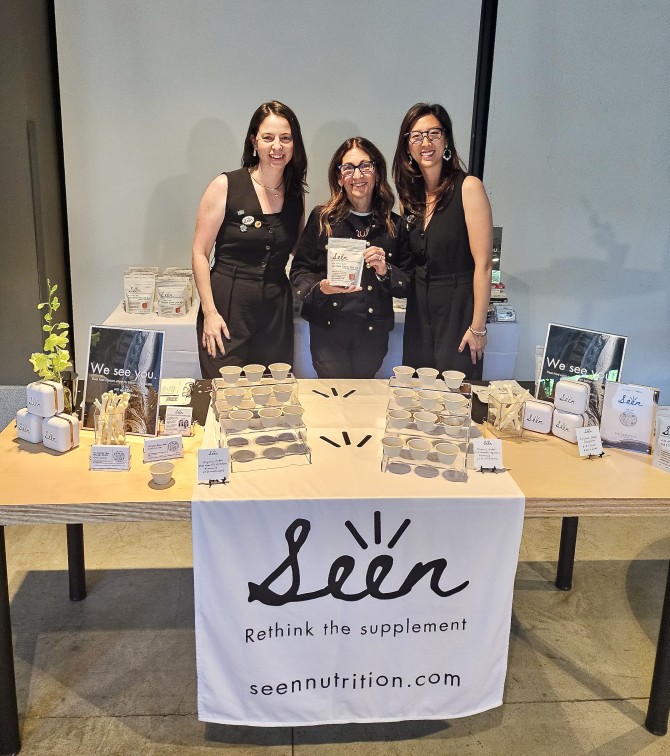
x: 337, y: 208
x: 408, y: 179
x: 295, y: 172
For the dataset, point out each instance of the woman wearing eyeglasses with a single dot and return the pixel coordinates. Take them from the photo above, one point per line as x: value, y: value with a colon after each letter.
x: 448, y: 220
x: 252, y: 218
x: 349, y: 326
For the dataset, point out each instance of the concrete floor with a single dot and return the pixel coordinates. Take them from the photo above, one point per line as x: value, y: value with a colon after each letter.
x: 115, y: 674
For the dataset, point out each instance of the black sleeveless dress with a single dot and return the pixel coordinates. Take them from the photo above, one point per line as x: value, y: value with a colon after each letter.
x: 440, y: 303
x: 249, y: 283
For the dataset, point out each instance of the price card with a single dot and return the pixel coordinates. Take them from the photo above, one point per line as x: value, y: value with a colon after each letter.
x: 110, y: 457
x: 487, y: 453
x: 165, y: 447
x: 178, y: 420
x: 589, y: 442
x: 662, y: 454
x: 213, y: 464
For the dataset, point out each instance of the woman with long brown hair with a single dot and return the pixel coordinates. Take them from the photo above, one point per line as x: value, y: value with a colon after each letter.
x: 449, y: 226
x: 349, y: 326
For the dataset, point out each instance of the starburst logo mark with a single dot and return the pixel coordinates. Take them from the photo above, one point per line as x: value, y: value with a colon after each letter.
x: 342, y: 567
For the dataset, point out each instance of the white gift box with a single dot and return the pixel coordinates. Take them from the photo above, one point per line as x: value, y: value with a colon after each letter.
x: 60, y: 432
x: 571, y: 396
x: 29, y: 426
x: 565, y: 424
x: 44, y: 398
x: 537, y: 416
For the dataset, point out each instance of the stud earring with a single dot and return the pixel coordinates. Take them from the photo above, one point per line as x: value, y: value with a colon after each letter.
x: 255, y: 153
x: 446, y: 156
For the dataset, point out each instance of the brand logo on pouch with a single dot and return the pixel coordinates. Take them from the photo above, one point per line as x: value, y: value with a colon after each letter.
x: 531, y: 417
x: 631, y: 400
x: 337, y: 574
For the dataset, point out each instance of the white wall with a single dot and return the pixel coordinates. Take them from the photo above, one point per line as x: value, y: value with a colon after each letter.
x: 578, y: 169
x: 157, y: 96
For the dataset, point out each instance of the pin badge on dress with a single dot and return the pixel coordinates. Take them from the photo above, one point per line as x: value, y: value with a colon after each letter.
x: 240, y: 212
x: 248, y: 220
x: 243, y: 228
x: 257, y: 224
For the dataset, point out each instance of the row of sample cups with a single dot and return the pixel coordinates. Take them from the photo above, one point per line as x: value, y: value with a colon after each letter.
x: 419, y: 448
x: 240, y: 420
x: 427, y: 376
x: 260, y: 395
x: 425, y: 421
x: 254, y: 373
x: 433, y: 401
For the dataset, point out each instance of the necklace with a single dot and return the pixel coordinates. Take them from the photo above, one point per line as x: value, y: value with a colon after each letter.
x: 274, y: 190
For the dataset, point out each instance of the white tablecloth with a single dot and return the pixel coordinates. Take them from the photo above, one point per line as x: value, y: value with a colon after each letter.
x: 334, y: 592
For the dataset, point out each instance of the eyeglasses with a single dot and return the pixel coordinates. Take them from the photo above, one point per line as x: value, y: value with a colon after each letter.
x: 347, y: 170
x: 416, y: 137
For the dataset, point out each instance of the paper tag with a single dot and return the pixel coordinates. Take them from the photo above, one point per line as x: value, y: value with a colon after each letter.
x: 662, y: 454
x: 165, y: 447
x: 178, y: 420
x: 589, y: 441
x: 213, y: 464
x: 110, y: 457
x: 487, y: 453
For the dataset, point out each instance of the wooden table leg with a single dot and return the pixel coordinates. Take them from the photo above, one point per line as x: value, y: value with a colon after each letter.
x: 566, y: 553
x: 659, y: 696
x: 75, y: 562
x: 10, y: 740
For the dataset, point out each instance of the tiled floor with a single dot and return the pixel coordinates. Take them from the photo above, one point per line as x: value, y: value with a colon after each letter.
x: 115, y: 674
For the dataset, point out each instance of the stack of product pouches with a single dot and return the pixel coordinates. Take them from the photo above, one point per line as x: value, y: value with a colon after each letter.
x: 564, y: 416
x: 147, y: 291
x: 43, y: 420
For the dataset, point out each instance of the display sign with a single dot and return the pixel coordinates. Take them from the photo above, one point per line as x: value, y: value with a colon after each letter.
x: 213, y: 465
x: 164, y: 447
x: 125, y: 360
x: 487, y: 454
x: 578, y: 353
x: 628, y: 416
x: 110, y: 457
x: 178, y: 420
x: 589, y: 442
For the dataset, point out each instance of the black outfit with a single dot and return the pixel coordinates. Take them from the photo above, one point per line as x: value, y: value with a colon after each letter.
x: 249, y: 284
x: 349, y: 332
x: 440, y: 303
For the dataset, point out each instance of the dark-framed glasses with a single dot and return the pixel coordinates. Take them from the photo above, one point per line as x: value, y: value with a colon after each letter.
x: 347, y: 170
x: 416, y: 137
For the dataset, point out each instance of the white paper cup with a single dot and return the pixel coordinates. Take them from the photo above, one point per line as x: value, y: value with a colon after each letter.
x: 282, y: 393
x: 293, y: 414
x: 454, y: 424
x: 234, y: 396
x: 254, y: 373
x: 455, y: 402
x: 269, y: 416
x: 403, y: 374
x: 425, y: 421
x: 230, y: 373
x: 240, y: 419
x: 404, y: 397
x: 399, y: 418
x: 446, y: 452
x: 427, y: 376
x: 161, y: 472
x: 392, y: 446
x: 261, y: 394
x: 419, y: 448
x: 453, y: 379
x: 429, y: 400
x: 279, y: 370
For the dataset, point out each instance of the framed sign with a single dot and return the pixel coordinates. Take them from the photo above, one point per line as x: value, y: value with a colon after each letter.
x: 125, y: 360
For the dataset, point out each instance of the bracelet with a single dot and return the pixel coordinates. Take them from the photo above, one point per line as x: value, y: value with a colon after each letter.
x: 477, y: 333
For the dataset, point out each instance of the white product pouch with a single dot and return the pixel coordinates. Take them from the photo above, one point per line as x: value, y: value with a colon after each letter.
x: 139, y: 290
x: 345, y: 261
x: 172, y: 297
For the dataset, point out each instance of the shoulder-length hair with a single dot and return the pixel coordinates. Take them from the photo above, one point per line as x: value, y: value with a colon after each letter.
x: 408, y: 178
x: 338, y: 207
x: 295, y: 173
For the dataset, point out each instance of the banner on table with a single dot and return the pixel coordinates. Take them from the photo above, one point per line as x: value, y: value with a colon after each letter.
x: 308, y: 613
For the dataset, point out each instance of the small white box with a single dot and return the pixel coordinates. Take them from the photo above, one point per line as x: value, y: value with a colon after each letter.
x: 537, y: 416
x: 60, y: 432
x: 44, y: 398
x: 571, y: 396
x: 565, y: 424
x: 29, y: 426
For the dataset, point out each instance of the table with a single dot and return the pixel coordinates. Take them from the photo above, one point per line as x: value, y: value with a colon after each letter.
x: 555, y: 481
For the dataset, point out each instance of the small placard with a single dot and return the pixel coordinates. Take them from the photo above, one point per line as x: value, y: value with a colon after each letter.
x: 487, y: 454
x: 213, y: 464
x: 588, y: 440
x: 110, y: 457
x: 178, y: 421
x: 662, y: 454
x: 164, y: 447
